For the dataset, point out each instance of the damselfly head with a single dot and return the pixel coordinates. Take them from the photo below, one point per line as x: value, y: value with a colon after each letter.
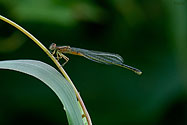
x: 52, y: 46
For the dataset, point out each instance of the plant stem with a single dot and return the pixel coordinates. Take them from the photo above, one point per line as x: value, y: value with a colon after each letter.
x: 54, y: 60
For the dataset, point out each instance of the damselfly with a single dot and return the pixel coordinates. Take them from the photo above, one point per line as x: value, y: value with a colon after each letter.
x: 100, y: 57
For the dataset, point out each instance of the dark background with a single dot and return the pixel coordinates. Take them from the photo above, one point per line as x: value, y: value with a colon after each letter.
x: 150, y: 34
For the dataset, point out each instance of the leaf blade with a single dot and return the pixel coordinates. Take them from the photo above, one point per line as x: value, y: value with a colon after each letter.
x: 52, y: 78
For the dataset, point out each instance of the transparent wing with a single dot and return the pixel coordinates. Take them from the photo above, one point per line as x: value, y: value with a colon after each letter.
x: 105, y: 58
x: 100, y: 57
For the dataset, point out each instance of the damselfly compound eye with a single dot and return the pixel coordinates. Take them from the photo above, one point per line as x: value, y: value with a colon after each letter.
x: 52, y: 46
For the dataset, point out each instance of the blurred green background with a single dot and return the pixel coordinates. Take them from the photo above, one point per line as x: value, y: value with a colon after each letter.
x: 150, y: 34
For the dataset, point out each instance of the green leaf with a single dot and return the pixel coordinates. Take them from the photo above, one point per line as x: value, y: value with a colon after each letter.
x: 52, y: 78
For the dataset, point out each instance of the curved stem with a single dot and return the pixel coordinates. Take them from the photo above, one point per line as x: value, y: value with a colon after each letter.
x: 54, y: 60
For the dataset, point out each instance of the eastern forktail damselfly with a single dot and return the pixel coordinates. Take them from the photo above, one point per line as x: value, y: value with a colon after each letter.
x: 100, y: 57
